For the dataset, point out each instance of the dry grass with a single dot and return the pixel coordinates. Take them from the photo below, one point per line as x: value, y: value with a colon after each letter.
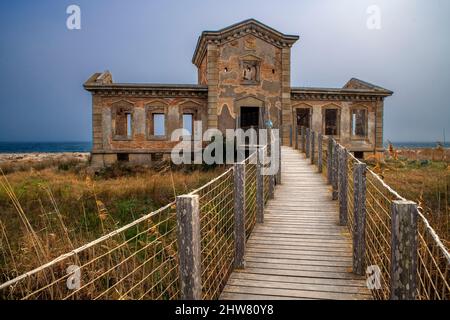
x: 50, y: 211
x: 424, y: 177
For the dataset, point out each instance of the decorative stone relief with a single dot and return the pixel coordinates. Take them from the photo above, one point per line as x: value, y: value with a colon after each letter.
x: 250, y: 71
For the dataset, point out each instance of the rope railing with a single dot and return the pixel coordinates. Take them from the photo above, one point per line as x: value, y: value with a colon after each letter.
x: 216, y: 229
x: 146, y: 259
x: 377, y: 217
x: 137, y: 261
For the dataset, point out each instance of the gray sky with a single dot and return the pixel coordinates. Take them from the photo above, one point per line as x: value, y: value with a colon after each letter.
x: 43, y: 64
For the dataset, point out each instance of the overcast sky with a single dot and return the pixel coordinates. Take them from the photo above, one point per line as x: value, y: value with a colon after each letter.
x: 43, y: 64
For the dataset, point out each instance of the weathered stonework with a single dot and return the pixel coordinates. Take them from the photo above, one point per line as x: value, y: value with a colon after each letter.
x: 241, y: 67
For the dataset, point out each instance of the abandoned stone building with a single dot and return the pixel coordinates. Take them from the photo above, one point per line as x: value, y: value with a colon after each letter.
x: 244, y: 79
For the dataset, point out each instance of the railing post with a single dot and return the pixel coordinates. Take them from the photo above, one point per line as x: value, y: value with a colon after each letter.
x: 290, y: 135
x: 403, y: 250
x: 307, y: 147
x: 359, y: 222
x: 343, y: 184
x: 335, y: 165
x: 313, y: 146
x: 330, y: 161
x: 188, y: 235
x: 303, y: 139
x: 296, y: 137
x: 320, y: 151
x: 271, y: 177
x: 259, y: 188
x: 278, y: 178
x: 239, y: 215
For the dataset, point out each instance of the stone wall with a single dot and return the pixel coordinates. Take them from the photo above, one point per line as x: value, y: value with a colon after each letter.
x: 374, y: 132
x: 141, y: 144
x: 228, y: 90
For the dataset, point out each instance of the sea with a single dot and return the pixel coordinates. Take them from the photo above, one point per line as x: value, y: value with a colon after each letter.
x: 44, y: 147
x: 53, y: 147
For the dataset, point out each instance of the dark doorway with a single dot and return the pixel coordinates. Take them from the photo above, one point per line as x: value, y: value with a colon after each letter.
x: 249, y: 118
x: 331, y: 122
x: 303, y: 117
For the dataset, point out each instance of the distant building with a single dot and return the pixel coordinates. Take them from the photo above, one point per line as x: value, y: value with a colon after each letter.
x: 244, y: 79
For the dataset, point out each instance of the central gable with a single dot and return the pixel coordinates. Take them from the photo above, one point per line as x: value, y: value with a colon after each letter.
x: 239, y: 30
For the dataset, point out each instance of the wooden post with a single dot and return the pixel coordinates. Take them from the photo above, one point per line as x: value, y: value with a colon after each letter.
x: 259, y: 188
x: 239, y: 215
x: 313, y: 146
x: 279, y: 162
x: 403, y: 250
x: 320, y: 151
x: 271, y: 177
x: 330, y: 161
x: 343, y: 185
x: 290, y: 135
x: 359, y: 221
x: 335, y: 165
x: 296, y: 137
x: 188, y: 235
x: 303, y: 139
x: 307, y: 143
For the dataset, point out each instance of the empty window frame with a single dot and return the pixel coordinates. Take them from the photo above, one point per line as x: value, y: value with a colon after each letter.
x: 159, y: 124
x: 331, y: 122
x: 359, y: 123
x: 156, y: 121
x: 124, y: 123
x: 188, y: 122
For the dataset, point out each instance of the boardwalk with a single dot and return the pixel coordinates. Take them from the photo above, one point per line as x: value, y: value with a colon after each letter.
x: 300, y: 252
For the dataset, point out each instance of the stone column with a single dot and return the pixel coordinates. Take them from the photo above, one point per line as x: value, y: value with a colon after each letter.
x: 213, y: 82
x: 286, y: 93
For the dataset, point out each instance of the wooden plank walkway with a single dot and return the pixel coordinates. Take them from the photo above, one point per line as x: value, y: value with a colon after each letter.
x: 300, y: 252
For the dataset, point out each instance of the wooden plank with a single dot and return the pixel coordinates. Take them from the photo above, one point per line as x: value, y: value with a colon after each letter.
x: 297, y: 260
x: 338, y: 242
x: 263, y: 283
x: 303, y: 273
x: 317, y: 244
x: 298, y: 267
x: 291, y: 293
x: 249, y: 274
x: 301, y: 251
x: 298, y: 247
x: 246, y: 296
x: 298, y: 255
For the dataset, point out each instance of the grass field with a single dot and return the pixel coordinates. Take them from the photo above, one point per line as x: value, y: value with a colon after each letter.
x: 51, y: 210
x: 424, y: 177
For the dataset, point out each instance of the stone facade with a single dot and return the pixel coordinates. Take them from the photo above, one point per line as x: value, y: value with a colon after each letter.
x: 243, y: 80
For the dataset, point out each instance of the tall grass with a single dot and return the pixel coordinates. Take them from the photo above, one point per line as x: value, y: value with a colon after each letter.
x: 51, y: 211
x: 424, y: 177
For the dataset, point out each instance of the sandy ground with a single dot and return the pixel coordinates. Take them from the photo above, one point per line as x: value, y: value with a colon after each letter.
x: 42, y: 157
x: 23, y: 158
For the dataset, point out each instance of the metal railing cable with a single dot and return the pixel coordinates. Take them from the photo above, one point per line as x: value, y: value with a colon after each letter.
x: 141, y: 260
x: 433, y: 258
